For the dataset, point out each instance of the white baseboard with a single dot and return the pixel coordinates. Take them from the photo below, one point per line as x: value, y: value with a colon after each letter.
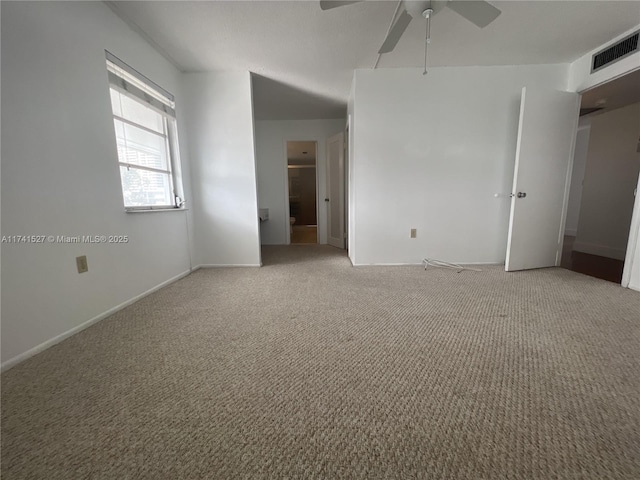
x: 422, y: 264
x: 225, y: 265
x: 387, y: 264
x: 63, y: 336
x: 600, y: 250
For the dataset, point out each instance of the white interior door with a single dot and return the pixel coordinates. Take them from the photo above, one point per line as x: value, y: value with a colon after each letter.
x: 544, y: 154
x: 335, y: 190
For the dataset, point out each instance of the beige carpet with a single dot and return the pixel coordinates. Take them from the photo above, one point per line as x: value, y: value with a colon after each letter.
x: 309, y: 368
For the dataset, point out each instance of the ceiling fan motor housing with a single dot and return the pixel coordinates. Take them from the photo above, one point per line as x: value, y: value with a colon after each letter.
x: 417, y: 9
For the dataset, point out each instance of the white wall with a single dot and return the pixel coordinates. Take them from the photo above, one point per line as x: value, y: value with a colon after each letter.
x: 351, y: 231
x: 429, y: 153
x: 271, y: 140
x: 60, y: 174
x: 581, y: 78
x: 611, y: 176
x: 221, y: 143
x: 577, y: 176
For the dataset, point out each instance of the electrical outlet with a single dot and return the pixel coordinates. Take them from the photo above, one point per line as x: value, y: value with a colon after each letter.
x: 81, y: 263
x: 414, y: 233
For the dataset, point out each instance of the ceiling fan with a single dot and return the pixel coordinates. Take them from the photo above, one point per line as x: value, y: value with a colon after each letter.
x: 478, y: 12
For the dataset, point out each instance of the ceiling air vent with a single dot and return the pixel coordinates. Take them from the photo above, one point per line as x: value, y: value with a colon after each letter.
x: 612, y: 54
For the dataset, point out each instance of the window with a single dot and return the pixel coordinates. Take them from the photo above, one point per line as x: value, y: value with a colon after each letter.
x: 145, y: 126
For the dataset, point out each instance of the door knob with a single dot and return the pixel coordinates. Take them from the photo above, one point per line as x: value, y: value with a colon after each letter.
x: 521, y: 194
x: 326, y: 199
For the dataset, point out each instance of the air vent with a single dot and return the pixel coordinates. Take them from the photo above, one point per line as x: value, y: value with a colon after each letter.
x: 612, y: 54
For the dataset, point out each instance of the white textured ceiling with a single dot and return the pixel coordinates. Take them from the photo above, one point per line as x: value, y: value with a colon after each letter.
x: 304, y: 57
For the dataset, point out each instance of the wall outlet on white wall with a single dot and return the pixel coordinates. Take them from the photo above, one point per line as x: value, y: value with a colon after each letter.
x: 414, y: 233
x: 81, y: 263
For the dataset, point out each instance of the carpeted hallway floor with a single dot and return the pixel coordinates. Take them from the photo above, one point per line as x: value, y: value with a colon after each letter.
x: 309, y: 368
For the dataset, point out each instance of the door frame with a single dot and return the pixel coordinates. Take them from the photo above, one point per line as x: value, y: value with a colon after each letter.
x: 287, y: 208
x: 573, y: 165
x: 631, y: 252
x: 632, y: 242
x: 567, y: 187
x: 347, y: 183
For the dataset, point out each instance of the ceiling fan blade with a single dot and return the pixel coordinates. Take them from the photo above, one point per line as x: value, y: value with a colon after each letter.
x: 476, y: 11
x: 329, y: 4
x: 395, y: 33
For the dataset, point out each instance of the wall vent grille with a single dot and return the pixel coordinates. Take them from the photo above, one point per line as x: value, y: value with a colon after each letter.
x: 616, y: 52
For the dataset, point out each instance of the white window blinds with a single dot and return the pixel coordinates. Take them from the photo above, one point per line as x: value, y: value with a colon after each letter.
x: 131, y: 82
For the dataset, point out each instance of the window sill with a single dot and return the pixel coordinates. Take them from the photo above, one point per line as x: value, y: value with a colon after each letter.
x: 155, y: 210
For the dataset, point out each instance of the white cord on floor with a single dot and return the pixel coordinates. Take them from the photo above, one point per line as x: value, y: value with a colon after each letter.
x: 432, y: 262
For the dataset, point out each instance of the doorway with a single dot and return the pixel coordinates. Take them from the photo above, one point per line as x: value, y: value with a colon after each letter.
x: 604, y: 180
x: 336, y: 191
x: 302, y: 181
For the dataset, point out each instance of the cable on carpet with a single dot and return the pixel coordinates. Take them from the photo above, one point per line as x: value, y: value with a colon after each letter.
x: 432, y: 262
